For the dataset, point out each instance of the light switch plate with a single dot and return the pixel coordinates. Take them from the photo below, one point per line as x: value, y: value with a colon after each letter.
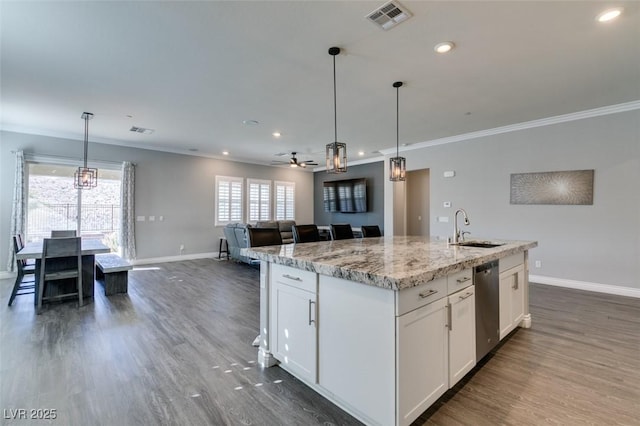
x: 443, y: 218
x: 152, y: 218
x: 446, y: 204
x: 140, y: 218
x: 449, y: 173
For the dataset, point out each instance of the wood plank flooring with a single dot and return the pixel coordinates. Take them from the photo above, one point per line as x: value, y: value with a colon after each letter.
x: 176, y: 350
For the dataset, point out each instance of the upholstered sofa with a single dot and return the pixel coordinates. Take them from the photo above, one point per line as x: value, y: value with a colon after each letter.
x: 236, y: 235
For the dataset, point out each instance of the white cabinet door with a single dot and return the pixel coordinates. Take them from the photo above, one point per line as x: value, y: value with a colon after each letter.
x: 517, y: 296
x: 462, y: 334
x: 422, y: 360
x: 356, y: 352
x: 511, y: 299
x: 293, y: 322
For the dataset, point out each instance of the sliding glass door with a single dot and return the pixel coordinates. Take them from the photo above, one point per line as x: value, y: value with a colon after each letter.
x: 53, y: 203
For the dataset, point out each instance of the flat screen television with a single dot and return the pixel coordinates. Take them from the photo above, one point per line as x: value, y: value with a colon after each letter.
x: 345, y: 196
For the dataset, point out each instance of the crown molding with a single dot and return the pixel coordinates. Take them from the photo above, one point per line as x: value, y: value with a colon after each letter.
x: 574, y: 116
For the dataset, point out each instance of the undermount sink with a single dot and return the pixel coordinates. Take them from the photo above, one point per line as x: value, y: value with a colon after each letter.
x: 482, y: 244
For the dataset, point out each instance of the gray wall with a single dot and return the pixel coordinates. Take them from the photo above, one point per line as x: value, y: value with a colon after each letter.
x: 594, y: 244
x: 374, y: 173
x: 179, y: 187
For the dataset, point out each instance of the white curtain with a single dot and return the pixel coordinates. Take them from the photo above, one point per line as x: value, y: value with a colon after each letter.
x: 127, y: 222
x: 18, y: 209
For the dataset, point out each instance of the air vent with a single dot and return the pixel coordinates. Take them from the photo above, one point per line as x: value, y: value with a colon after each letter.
x: 389, y: 15
x: 141, y: 130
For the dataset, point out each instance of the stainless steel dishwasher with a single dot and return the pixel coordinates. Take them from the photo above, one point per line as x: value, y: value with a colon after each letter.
x: 487, y: 308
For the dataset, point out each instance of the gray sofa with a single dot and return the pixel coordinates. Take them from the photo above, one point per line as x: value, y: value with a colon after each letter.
x: 236, y: 235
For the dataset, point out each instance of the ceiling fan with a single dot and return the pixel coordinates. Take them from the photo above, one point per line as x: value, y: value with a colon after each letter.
x: 293, y: 161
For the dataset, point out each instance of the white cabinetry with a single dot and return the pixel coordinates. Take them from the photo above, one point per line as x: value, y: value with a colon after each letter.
x: 462, y: 334
x: 293, y: 320
x: 422, y: 359
x: 356, y: 332
x: 512, y: 297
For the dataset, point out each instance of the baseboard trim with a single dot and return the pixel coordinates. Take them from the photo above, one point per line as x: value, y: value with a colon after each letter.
x: 167, y: 259
x: 587, y: 286
x: 5, y: 275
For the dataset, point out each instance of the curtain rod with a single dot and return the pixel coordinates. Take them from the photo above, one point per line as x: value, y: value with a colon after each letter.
x: 60, y: 157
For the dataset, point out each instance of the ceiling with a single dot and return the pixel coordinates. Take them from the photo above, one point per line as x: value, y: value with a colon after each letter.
x: 194, y: 71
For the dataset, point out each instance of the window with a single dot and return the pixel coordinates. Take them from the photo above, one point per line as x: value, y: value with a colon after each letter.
x: 258, y: 200
x: 52, y: 203
x: 228, y: 200
x: 285, y: 200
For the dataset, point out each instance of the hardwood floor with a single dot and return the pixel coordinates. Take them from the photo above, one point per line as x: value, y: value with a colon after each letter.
x: 177, y: 350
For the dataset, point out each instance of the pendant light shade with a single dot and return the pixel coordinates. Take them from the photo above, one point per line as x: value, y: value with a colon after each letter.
x: 397, y: 164
x: 336, y: 151
x: 85, y: 177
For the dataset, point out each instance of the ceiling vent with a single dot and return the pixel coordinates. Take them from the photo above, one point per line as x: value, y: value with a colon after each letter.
x: 389, y: 15
x: 141, y: 130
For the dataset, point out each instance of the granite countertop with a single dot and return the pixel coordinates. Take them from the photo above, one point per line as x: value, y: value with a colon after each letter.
x: 389, y: 262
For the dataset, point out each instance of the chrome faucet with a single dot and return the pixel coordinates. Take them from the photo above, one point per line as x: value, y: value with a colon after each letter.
x: 457, y: 236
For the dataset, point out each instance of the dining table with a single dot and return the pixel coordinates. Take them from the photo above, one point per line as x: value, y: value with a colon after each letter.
x: 90, y: 247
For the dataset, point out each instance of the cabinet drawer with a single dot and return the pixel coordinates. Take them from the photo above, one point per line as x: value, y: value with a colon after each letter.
x: 304, y: 280
x: 511, y: 261
x: 415, y: 297
x: 459, y: 280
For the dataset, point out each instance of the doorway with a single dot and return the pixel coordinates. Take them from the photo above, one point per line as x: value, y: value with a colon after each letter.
x: 418, y: 195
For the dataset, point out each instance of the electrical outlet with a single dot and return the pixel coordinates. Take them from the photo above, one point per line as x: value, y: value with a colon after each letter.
x: 538, y: 264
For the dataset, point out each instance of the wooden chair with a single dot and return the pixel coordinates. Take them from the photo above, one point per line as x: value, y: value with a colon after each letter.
x: 341, y: 231
x: 22, y: 286
x: 371, y: 231
x: 63, y: 233
x: 305, y: 233
x: 54, y: 267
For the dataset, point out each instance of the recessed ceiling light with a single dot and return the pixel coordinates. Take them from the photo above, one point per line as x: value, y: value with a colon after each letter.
x: 361, y: 153
x: 225, y: 152
x: 609, y: 15
x: 444, y: 47
x: 250, y: 122
x: 276, y: 134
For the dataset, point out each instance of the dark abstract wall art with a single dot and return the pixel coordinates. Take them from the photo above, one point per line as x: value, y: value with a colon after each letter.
x: 573, y: 187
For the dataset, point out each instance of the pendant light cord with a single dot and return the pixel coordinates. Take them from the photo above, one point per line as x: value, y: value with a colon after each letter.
x: 398, y: 121
x: 335, y: 102
x: 86, y: 138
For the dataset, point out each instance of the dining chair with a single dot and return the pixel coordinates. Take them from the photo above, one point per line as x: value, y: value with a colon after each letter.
x: 22, y: 286
x: 371, y: 231
x: 258, y: 237
x: 51, y: 270
x: 305, y: 233
x: 263, y: 237
x: 63, y: 233
x: 341, y: 231
x: 21, y: 245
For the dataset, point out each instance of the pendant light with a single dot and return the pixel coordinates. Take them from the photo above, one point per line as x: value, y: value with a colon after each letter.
x: 85, y: 177
x: 397, y: 164
x: 336, y: 151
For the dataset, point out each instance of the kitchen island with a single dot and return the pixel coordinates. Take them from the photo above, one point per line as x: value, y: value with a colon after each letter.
x: 381, y: 326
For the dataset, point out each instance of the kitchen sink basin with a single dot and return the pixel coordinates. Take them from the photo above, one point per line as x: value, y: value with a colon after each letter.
x: 482, y: 244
